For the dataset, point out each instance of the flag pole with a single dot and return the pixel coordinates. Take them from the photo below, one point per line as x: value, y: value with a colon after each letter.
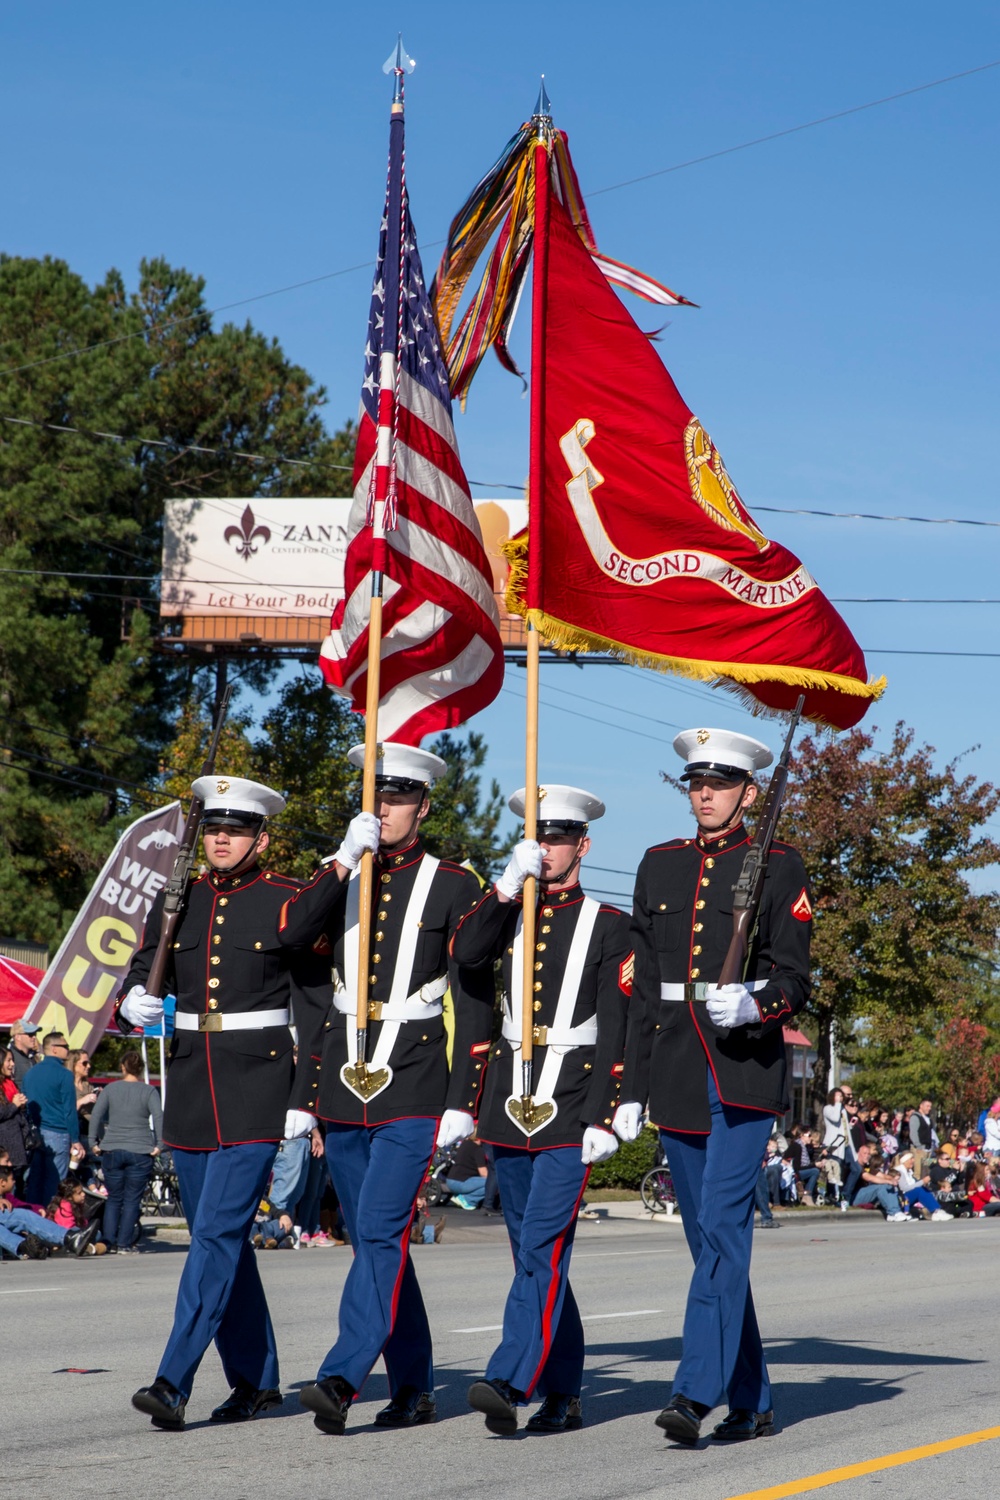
x: 542, y: 120
x: 359, y: 1078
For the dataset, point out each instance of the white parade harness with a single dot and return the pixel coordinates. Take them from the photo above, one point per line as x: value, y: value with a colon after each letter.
x: 400, y: 1007
x: 560, y: 1038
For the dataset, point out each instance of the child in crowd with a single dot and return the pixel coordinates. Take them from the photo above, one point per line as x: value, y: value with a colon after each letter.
x: 68, y: 1208
x: 271, y: 1230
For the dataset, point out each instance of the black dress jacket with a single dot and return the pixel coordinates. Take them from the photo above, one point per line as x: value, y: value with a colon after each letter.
x: 681, y: 926
x: 422, y: 1083
x: 225, y: 1088
x: 587, y: 1090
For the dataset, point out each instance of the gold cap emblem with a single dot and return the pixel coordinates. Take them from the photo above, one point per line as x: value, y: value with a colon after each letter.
x: 222, y: 787
x: 704, y: 736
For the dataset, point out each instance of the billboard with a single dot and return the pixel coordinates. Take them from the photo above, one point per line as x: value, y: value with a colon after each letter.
x: 264, y: 570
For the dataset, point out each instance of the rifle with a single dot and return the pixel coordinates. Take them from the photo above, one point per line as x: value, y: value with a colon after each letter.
x: 749, y: 889
x: 176, y: 889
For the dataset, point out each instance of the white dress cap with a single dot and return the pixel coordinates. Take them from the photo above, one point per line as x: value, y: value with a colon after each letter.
x: 236, y: 795
x: 560, y: 804
x: 401, y: 763
x: 720, y: 752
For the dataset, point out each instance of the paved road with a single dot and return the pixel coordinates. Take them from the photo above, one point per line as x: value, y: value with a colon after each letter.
x: 880, y: 1337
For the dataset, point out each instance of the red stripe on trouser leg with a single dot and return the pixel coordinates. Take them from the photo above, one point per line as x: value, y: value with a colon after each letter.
x: 550, y: 1301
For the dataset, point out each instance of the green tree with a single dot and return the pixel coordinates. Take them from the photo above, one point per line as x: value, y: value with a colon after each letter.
x: 86, y: 705
x: 889, y: 842
x: 301, y: 751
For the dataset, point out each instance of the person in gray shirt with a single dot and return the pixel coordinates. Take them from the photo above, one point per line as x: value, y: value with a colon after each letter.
x: 126, y: 1130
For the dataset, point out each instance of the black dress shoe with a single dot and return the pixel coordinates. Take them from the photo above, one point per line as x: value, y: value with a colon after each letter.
x: 77, y: 1240
x: 498, y: 1403
x: 740, y: 1425
x: 557, y: 1414
x: 330, y: 1400
x: 246, y: 1402
x: 163, y: 1403
x: 681, y: 1419
x: 408, y: 1408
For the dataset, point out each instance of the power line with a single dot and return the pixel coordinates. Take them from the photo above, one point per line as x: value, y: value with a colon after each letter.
x: 777, y: 135
x: 863, y: 515
x: 175, y: 447
x: 207, y: 313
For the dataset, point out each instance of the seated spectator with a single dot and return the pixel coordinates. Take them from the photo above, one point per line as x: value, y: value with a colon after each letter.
x: 983, y: 1201
x: 272, y: 1230
x: 917, y: 1195
x: 802, y: 1155
x: 69, y: 1208
x: 947, y: 1183
x: 126, y: 1130
x: 772, y: 1169
x: 424, y: 1230
x: 27, y: 1235
x: 466, y: 1180
x: 877, y: 1187
x: 950, y: 1147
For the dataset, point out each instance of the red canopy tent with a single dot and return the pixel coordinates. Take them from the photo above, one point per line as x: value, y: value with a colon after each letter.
x: 18, y: 982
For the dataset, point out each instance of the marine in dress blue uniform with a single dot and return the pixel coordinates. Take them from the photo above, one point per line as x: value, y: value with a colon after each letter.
x: 229, y: 1082
x: 583, y: 971
x: 710, y: 1062
x: 379, y: 1146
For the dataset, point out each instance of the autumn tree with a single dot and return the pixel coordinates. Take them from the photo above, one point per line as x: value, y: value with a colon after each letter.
x: 900, y: 934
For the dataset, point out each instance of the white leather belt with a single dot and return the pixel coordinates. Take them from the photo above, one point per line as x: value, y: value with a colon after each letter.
x: 213, y: 1020
x: 553, y: 1036
x: 696, y: 991
x: 427, y: 1001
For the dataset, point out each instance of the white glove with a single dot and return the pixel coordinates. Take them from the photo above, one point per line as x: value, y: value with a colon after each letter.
x: 627, y: 1122
x: 140, y: 1009
x: 362, y: 836
x: 731, y: 1005
x: 598, y: 1145
x: 455, y: 1126
x: 525, y: 860
x: 298, y: 1122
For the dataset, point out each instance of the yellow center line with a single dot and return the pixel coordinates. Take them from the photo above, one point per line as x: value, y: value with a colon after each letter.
x: 870, y: 1466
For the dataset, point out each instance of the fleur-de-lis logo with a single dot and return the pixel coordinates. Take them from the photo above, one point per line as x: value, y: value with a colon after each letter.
x: 246, y: 533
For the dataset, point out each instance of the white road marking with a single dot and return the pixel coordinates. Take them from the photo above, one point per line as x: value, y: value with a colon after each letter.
x: 637, y: 1312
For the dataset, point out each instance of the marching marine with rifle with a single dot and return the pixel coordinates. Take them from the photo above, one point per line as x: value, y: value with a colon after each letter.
x: 721, y: 927
x: 213, y: 942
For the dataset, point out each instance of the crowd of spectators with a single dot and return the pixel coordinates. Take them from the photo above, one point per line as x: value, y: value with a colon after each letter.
x: 76, y: 1161
x: 892, y: 1161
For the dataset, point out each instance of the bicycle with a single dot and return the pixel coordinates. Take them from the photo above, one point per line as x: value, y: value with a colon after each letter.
x: 657, y: 1190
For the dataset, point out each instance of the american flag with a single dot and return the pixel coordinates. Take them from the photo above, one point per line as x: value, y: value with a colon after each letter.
x: 412, y: 517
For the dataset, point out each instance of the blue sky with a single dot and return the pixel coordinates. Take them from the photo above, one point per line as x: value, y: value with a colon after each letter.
x: 844, y: 353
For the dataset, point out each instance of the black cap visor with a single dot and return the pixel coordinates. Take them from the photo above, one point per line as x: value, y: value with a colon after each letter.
x: 561, y: 825
x: 399, y: 784
x: 714, y: 770
x: 235, y: 819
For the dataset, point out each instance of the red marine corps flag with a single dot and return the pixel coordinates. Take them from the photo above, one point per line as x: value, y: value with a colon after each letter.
x: 412, y: 524
x: 637, y: 542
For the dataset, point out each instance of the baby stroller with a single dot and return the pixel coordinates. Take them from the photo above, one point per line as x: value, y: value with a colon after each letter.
x: 162, y: 1197
x: 435, y: 1190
